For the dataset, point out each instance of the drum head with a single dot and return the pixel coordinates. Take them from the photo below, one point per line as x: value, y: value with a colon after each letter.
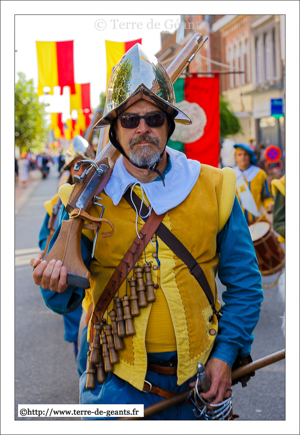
x: 258, y: 230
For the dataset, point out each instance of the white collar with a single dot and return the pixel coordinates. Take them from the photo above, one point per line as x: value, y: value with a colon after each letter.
x: 179, y: 181
x: 249, y: 173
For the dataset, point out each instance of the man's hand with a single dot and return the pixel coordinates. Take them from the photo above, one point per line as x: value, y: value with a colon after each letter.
x: 51, y: 276
x: 219, y: 374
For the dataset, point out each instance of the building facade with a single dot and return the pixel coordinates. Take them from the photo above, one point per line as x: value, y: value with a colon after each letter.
x: 254, y: 44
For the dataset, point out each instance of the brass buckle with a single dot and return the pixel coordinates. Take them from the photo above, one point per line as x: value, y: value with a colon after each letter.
x: 74, y: 217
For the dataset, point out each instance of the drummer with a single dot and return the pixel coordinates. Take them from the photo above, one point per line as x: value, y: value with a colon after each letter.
x: 252, y: 186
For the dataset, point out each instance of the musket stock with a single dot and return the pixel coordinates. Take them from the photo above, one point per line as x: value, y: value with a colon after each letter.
x: 91, y: 182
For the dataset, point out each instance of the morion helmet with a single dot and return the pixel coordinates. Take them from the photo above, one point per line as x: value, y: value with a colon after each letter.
x: 139, y: 76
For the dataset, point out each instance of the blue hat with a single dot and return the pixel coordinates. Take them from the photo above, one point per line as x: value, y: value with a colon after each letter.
x: 253, y: 159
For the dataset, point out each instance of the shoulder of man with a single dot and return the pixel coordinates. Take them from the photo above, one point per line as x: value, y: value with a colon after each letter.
x: 228, y: 178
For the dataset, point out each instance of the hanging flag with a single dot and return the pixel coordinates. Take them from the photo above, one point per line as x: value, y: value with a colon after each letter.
x: 69, y: 131
x: 81, y: 100
x: 114, y: 52
x: 55, y: 65
x: 57, y: 125
x: 198, y: 97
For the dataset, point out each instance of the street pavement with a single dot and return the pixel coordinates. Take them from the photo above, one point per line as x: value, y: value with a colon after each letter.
x: 45, y: 369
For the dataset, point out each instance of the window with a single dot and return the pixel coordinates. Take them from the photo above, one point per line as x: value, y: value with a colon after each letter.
x: 230, y: 62
x: 246, y: 63
x: 274, y: 56
x: 267, y: 122
x: 266, y: 57
x: 257, y: 60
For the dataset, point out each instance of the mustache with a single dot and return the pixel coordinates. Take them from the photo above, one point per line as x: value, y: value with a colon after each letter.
x: 142, y: 138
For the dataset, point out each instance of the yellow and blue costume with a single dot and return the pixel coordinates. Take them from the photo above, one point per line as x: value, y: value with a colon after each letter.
x: 257, y: 182
x: 209, y: 222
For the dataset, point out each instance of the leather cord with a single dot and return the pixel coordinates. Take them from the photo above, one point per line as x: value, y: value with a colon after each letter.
x: 177, y: 247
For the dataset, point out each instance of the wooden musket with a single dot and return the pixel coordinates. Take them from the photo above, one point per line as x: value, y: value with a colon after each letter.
x: 67, y: 247
x: 182, y: 397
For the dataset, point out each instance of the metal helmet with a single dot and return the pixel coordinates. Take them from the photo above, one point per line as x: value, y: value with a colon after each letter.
x: 139, y: 76
x: 78, y: 147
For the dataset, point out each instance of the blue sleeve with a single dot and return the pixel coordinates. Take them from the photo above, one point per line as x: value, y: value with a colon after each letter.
x: 238, y: 271
x: 44, y: 233
x: 72, y: 297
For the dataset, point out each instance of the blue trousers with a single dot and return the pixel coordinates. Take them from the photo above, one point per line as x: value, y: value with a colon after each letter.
x: 117, y: 391
x: 71, y: 323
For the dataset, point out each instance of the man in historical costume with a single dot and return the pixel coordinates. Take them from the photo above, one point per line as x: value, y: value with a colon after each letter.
x: 184, y: 325
x: 278, y: 190
x: 252, y: 186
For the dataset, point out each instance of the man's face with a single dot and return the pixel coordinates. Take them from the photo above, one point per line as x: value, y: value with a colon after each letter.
x: 242, y: 159
x: 143, y: 144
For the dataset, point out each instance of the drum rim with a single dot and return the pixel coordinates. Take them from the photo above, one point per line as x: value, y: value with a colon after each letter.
x: 264, y: 235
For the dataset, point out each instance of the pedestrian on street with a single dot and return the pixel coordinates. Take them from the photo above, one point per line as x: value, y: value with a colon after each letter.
x: 23, y: 167
x: 185, y: 323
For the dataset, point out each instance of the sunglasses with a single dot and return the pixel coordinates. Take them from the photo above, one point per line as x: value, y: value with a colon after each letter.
x: 152, y: 120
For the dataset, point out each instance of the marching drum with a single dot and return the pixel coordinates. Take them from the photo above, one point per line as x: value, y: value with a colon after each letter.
x: 270, y: 255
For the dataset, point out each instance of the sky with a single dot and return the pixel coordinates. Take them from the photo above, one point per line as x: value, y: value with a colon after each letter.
x: 89, y: 33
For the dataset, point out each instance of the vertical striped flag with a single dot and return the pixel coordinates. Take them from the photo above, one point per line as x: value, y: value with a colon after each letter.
x: 55, y: 65
x: 114, y: 52
x: 57, y: 125
x: 81, y: 100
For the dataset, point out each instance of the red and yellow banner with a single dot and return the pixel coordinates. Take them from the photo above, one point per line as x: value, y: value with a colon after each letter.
x: 199, y: 98
x: 114, y: 52
x: 57, y: 125
x: 55, y: 65
x: 81, y: 100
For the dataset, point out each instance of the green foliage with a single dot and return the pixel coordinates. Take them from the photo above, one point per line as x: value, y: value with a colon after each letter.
x: 229, y: 123
x: 102, y: 98
x: 121, y: 84
x: 161, y: 83
x: 30, y: 114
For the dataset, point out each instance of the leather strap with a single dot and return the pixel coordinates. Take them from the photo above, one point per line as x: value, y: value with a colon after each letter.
x: 149, y: 388
x: 78, y: 213
x: 125, y: 266
x: 177, y: 247
x: 163, y: 369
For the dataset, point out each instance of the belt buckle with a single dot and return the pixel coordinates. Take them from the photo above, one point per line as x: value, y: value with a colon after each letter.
x: 150, y: 385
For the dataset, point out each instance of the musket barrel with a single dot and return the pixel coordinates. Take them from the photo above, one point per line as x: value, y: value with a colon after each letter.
x: 186, y: 55
x: 258, y: 364
x: 181, y: 397
x: 174, y: 70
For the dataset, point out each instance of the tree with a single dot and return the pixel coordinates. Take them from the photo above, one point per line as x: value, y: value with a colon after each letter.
x: 229, y: 123
x: 102, y: 98
x: 30, y: 116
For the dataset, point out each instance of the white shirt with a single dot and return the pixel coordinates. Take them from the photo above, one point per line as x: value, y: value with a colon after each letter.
x: 179, y: 181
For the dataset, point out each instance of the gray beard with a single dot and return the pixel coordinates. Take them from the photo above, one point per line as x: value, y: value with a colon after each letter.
x: 143, y: 156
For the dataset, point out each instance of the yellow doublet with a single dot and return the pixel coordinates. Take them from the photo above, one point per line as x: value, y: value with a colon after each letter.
x: 181, y: 317
x: 259, y: 188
